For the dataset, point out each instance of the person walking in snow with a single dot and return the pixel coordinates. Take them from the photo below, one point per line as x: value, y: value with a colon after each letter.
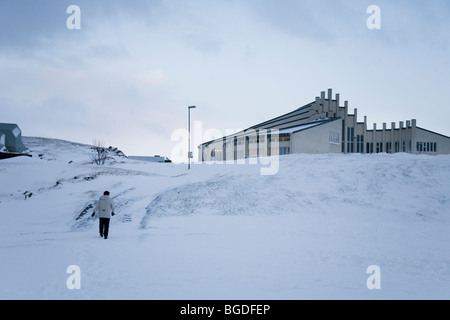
x: 105, y: 208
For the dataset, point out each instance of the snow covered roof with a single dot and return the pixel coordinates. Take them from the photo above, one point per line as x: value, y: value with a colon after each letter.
x: 304, y: 126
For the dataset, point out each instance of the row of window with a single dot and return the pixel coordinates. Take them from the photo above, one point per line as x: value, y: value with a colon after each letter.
x: 217, y: 153
x: 260, y: 140
x: 426, y: 146
x: 421, y: 146
x: 281, y: 151
x: 380, y: 147
x: 403, y: 147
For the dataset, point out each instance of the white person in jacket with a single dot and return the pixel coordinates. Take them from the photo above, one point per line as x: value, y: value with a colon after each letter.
x: 105, y: 208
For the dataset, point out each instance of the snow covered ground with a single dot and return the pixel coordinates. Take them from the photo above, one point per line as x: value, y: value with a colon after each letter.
x: 225, y: 231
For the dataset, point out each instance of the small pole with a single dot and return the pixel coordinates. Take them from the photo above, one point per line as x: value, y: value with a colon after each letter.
x: 189, y: 130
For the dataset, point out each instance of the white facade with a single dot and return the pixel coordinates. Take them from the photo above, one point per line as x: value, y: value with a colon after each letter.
x: 311, y: 140
x: 324, y: 126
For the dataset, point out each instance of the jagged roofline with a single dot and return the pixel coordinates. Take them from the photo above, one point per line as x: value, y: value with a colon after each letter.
x: 276, y: 123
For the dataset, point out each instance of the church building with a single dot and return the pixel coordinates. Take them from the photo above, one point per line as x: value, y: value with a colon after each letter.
x: 324, y: 126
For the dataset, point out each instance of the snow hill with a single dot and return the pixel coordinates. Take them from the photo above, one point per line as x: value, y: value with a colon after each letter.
x: 225, y: 231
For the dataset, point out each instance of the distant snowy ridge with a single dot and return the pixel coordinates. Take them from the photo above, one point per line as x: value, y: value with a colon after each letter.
x: 48, y: 148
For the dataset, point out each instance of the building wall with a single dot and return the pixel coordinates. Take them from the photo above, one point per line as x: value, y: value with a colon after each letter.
x: 242, y: 145
x: 212, y: 152
x: 387, y: 140
x: 325, y: 138
x: 427, y: 142
x: 401, y: 138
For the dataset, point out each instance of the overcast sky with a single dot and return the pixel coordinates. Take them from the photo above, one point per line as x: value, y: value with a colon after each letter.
x: 129, y: 74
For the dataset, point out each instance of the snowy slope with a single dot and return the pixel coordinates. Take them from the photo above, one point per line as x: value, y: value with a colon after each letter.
x: 225, y: 231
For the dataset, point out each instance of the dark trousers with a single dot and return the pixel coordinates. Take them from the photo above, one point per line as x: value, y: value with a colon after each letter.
x: 104, y: 227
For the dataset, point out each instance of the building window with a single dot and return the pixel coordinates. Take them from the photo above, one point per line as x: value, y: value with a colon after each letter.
x: 359, y: 143
x: 379, y: 147
x: 369, y: 147
x: 350, y: 139
x: 362, y: 143
x: 389, y: 147
x: 334, y: 137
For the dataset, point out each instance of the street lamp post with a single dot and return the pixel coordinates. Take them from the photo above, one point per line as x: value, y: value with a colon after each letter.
x: 189, y: 129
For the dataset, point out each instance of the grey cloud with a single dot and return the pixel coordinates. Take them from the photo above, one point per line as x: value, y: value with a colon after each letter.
x: 25, y: 23
x: 26, y: 26
x: 203, y: 43
x: 304, y: 19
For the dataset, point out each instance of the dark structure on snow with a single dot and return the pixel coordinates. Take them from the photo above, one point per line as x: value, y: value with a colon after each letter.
x: 11, y: 144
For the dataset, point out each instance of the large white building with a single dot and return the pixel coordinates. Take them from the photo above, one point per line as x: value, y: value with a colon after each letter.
x: 324, y: 126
